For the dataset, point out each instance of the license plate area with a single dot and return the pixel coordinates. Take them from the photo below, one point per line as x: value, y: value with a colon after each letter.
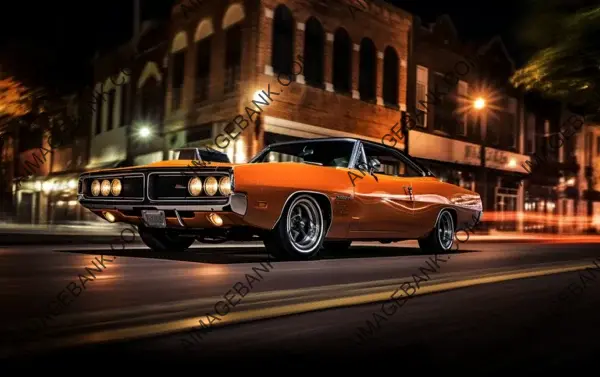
x: 154, y: 219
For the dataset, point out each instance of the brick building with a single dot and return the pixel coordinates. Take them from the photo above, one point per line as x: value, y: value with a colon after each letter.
x: 353, y: 81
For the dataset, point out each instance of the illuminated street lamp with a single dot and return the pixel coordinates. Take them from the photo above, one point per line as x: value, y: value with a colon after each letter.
x: 145, y: 132
x: 479, y: 104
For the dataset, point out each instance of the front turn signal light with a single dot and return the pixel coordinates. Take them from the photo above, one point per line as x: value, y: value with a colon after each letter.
x: 215, y: 219
x: 109, y: 217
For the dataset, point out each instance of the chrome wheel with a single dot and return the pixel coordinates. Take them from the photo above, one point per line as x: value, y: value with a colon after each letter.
x: 445, y: 231
x: 304, y: 225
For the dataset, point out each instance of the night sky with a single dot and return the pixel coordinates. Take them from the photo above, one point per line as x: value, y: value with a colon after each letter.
x: 52, y: 42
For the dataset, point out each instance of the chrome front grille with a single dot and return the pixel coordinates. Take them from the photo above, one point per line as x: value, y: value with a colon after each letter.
x: 173, y: 187
x: 133, y: 187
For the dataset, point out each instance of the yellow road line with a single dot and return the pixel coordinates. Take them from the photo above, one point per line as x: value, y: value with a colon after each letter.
x: 297, y: 308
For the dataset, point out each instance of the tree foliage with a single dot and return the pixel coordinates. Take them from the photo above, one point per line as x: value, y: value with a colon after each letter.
x: 15, y: 98
x: 566, y: 64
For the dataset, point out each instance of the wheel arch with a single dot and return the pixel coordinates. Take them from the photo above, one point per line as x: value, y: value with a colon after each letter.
x: 452, y: 212
x: 322, y: 200
x: 454, y: 215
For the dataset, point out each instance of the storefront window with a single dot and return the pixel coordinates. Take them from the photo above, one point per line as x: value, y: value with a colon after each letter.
x: 540, y: 212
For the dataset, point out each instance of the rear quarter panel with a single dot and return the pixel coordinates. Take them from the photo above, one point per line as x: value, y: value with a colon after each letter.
x: 431, y: 196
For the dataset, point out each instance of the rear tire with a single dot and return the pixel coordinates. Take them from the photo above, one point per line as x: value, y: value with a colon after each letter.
x: 441, y: 238
x: 161, y: 240
x: 300, y: 231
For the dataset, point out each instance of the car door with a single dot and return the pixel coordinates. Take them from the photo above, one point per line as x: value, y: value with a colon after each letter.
x: 383, y: 199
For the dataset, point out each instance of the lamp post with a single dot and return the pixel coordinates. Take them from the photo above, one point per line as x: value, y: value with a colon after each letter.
x: 479, y: 105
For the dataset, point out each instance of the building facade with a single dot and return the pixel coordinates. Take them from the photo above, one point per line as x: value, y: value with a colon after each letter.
x: 528, y: 181
x: 224, y: 54
x: 51, y: 150
x: 466, y: 108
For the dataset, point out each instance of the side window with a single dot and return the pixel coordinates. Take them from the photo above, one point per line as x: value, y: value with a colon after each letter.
x: 391, y: 163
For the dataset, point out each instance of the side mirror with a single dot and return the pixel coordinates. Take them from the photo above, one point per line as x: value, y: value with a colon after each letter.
x: 374, y: 165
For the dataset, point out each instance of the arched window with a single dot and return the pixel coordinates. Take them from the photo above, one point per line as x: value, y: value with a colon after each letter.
x: 283, y: 40
x: 178, y: 69
x: 233, y: 57
x: 112, y: 93
x: 342, y: 61
x: 203, y: 38
x: 390, y: 77
x: 150, y: 100
x: 98, y: 98
x: 367, y: 81
x: 123, y: 110
x: 314, y: 49
x: 234, y: 14
x: 232, y: 21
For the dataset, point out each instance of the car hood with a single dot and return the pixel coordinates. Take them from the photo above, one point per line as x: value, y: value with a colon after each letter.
x: 169, y: 164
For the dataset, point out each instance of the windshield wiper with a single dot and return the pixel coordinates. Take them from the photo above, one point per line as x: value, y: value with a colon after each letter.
x: 313, y: 163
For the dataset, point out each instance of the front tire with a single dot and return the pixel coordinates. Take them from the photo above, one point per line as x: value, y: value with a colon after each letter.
x: 441, y: 238
x: 300, y: 232
x: 161, y: 240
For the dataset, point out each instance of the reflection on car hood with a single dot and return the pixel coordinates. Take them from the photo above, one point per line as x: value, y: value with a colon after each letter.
x: 170, y: 164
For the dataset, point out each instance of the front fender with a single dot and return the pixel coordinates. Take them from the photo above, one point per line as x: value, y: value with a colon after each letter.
x: 269, y: 186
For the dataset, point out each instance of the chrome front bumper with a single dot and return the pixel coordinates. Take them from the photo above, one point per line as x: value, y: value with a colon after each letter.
x: 237, y: 203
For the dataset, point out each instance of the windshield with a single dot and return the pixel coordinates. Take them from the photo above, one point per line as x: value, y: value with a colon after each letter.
x: 335, y: 153
x: 205, y: 155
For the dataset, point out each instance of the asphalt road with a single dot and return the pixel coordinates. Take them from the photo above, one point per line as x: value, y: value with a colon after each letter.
x: 484, y: 308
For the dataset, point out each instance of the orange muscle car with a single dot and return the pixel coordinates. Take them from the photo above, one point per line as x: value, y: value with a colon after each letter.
x: 297, y: 197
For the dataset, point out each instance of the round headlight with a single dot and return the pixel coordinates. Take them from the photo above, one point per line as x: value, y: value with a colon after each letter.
x: 96, y: 187
x: 225, y: 186
x: 105, y: 188
x: 195, y: 186
x: 211, y: 186
x: 115, y: 187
